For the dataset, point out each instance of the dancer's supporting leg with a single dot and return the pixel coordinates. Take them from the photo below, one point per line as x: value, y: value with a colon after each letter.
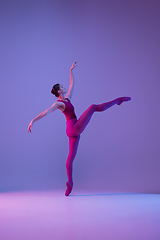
x: 73, y: 146
x: 86, y: 116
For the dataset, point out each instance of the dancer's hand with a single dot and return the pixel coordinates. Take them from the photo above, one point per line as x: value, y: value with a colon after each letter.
x: 123, y: 99
x: 73, y: 66
x: 30, y: 127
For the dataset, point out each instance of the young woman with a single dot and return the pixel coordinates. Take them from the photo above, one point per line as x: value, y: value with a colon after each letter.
x: 74, y: 126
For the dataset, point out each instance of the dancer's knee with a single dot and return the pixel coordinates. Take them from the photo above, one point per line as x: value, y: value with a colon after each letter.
x: 93, y: 107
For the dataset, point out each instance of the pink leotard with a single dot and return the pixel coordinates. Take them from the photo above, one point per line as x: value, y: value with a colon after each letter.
x: 69, y: 110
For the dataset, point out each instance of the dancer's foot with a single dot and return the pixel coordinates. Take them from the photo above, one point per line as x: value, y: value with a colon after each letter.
x: 123, y: 99
x: 69, y: 185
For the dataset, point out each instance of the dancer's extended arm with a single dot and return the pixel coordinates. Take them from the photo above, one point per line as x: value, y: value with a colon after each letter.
x: 44, y: 113
x: 71, y: 81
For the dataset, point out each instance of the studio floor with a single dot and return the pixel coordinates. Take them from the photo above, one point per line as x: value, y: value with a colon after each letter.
x: 52, y: 216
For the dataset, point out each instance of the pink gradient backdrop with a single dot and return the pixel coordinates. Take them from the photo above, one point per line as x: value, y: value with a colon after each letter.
x: 116, y: 44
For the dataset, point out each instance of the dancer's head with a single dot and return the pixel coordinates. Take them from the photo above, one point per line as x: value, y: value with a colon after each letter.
x: 58, y: 89
x: 55, y: 90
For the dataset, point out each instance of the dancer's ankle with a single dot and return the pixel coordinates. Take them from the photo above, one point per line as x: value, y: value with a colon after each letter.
x: 70, y: 181
x: 69, y: 185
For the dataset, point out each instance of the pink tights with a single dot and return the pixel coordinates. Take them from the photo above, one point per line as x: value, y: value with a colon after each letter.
x: 74, y: 129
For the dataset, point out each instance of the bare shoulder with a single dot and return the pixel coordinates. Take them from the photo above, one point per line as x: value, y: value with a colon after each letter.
x: 58, y: 104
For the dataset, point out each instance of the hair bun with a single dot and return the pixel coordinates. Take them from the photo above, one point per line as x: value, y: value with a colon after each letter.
x: 55, y: 89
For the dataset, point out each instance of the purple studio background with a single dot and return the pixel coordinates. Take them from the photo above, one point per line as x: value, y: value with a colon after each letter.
x: 116, y: 44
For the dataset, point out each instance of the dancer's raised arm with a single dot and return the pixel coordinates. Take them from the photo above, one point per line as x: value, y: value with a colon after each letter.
x: 71, y: 80
x: 44, y: 113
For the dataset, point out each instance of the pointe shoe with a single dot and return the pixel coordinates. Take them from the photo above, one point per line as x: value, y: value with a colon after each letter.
x: 69, y: 185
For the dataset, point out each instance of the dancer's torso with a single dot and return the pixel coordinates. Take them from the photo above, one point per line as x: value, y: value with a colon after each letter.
x: 68, y: 110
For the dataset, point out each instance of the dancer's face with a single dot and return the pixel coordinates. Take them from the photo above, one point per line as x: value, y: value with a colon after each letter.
x: 62, y: 89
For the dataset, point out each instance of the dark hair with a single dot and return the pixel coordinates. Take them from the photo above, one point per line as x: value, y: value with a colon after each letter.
x: 55, y: 89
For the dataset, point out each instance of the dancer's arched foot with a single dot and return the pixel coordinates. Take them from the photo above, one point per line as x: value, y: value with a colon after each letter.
x: 69, y: 185
x: 123, y: 99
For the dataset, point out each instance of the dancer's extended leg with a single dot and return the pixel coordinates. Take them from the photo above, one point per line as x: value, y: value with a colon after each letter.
x: 86, y: 116
x: 73, y: 146
x: 84, y: 119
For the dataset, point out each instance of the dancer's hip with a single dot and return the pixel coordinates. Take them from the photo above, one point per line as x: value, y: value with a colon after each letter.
x: 70, y: 130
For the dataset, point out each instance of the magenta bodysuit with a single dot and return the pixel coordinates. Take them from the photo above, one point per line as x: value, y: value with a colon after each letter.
x: 69, y: 110
x: 71, y: 118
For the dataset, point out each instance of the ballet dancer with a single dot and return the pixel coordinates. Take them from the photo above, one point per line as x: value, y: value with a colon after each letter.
x: 74, y: 126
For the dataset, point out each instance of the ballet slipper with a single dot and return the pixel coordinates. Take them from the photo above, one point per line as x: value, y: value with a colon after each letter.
x: 69, y: 185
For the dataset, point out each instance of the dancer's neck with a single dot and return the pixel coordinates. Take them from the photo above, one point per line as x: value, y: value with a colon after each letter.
x: 61, y: 97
